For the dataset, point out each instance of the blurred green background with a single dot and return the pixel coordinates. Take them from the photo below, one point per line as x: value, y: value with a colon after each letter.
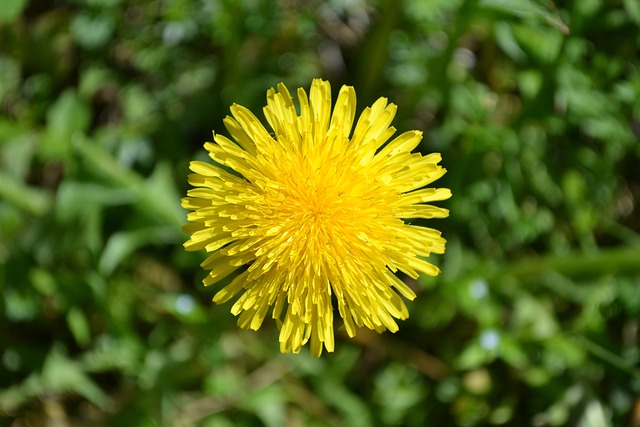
x: 534, y: 105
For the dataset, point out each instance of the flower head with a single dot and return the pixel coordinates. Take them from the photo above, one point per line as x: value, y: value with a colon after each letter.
x: 311, y: 212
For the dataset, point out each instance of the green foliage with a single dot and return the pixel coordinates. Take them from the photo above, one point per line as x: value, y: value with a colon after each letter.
x: 534, y: 106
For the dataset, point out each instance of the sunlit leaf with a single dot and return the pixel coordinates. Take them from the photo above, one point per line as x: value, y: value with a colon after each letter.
x: 11, y: 9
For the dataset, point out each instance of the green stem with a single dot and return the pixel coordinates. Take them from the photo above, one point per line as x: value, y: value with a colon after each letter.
x: 606, y: 355
x: 607, y: 261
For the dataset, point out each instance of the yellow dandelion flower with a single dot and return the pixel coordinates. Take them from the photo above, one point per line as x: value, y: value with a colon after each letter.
x: 312, y: 212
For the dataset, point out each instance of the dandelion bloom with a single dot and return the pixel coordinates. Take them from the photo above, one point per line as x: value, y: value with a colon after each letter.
x: 309, y: 212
